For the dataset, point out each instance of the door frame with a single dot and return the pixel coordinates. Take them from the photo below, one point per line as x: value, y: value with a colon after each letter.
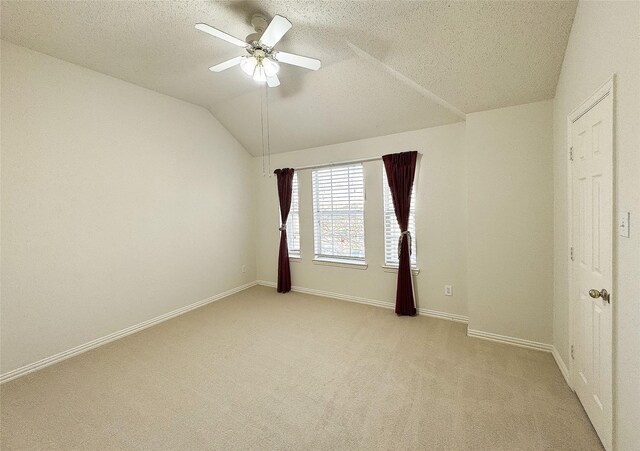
x: 605, y: 93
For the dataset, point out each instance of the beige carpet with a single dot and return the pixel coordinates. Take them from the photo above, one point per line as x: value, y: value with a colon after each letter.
x: 260, y: 370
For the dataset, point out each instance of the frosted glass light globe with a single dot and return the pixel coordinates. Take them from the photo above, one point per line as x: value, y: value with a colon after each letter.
x: 270, y: 67
x: 259, y: 74
x: 248, y: 65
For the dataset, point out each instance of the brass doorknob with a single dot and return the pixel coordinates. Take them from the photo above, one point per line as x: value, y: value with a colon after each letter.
x: 604, y: 294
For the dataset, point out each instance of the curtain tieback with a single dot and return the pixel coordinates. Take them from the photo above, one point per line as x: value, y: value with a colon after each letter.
x: 408, y: 234
x: 283, y: 227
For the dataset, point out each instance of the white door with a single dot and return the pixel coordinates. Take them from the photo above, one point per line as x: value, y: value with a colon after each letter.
x: 592, y: 205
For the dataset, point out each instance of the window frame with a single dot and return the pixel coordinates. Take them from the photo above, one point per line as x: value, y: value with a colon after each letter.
x: 320, y: 257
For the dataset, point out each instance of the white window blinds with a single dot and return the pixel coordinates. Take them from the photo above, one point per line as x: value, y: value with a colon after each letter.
x: 391, y: 227
x: 338, y: 208
x: 293, y: 221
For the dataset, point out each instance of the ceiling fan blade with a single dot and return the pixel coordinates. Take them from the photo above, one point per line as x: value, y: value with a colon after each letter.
x: 274, y: 32
x: 226, y: 65
x: 220, y: 34
x: 273, y: 81
x: 297, y: 60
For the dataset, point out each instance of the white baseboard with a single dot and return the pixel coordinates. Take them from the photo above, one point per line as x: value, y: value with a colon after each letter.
x: 444, y: 315
x: 563, y: 368
x: 510, y: 340
x: 114, y: 336
x: 360, y: 300
x: 138, y: 327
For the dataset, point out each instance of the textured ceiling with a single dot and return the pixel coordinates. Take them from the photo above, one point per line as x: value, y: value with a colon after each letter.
x: 387, y: 67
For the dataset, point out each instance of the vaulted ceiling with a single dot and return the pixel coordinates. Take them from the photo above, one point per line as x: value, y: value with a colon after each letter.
x: 387, y: 66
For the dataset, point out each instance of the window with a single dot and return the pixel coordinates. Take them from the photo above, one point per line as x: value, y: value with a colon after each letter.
x: 338, y: 212
x: 293, y: 221
x: 391, y: 227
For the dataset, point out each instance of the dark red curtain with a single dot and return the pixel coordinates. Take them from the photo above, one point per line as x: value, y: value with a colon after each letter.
x: 285, y: 186
x: 401, y: 168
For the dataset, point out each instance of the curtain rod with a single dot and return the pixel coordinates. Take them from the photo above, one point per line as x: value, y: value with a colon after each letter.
x: 336, y: 163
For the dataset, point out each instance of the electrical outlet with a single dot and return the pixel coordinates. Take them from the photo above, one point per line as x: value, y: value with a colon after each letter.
x: 244, y: 268
x: 448, y: 290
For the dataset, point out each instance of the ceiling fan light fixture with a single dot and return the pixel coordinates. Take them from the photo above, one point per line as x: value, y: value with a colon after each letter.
x: 259, y: 74
x: 262, y: 62
x: 259, y: 68
x: 248, y: 65
x: 271, y: 68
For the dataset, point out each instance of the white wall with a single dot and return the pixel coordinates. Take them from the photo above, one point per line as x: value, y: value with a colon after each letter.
x: 510, y: 241
x: 605, y: 39
x: 478, y: 225
x: 119, y: 204
x: 440, y: 219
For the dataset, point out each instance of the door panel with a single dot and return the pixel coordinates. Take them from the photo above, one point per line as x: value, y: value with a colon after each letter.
x: 592, y: 207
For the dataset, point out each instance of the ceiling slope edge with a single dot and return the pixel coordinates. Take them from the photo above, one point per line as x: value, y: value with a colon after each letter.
x: 406, y: 80
x: 235, y: 138
x: 4, y: 40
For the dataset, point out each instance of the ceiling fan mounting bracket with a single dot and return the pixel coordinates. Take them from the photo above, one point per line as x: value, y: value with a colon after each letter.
x: 259, y: 23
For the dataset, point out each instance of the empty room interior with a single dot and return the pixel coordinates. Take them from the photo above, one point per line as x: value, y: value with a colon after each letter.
x: 319, y: 225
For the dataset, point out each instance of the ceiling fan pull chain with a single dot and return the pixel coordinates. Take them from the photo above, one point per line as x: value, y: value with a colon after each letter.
x: 264, y: 172
x: 266, y: 93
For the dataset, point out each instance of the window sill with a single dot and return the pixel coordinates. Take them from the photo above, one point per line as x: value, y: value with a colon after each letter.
x: 352, y: 264
x: 387, y: 268
x: 295, y: 258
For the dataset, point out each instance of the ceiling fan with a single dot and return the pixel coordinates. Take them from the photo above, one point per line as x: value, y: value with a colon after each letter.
x: 261, y: 61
